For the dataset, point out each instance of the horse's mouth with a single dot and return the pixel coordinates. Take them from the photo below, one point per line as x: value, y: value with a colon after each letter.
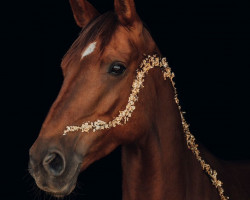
x: 67, y: 190
x: 64, y: 193
x: 58, y: 192
x: 58, y: 188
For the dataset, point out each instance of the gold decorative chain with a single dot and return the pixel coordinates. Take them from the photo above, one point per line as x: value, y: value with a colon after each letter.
x: 124, y: 115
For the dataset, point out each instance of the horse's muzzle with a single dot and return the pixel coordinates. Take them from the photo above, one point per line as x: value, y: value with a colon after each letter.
x: 55, y: 170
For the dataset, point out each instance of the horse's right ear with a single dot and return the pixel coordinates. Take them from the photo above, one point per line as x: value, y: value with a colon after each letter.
x: 83, y: 12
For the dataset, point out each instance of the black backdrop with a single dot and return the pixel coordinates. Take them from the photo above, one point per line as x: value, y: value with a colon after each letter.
x: 207, y: 45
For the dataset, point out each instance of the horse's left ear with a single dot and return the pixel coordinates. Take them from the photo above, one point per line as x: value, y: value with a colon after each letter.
x: 83, y: 12
x: 126, y: 12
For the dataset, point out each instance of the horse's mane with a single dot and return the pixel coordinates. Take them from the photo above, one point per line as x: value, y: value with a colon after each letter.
x: 102, y: 27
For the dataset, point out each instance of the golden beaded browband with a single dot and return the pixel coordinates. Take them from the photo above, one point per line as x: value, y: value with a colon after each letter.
x: 124, y: 115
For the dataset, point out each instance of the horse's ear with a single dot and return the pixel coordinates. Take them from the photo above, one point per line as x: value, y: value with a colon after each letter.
x: 126, y: 12
x: 83, y: 12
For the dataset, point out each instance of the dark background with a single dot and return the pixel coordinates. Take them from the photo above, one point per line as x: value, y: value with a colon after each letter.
x: 207, y: 44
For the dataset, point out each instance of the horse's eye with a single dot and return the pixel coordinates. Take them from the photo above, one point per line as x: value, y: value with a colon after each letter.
x: 116, y: 69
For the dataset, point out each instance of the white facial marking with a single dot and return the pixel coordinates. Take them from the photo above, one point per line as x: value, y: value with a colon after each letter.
x: 89, y: 49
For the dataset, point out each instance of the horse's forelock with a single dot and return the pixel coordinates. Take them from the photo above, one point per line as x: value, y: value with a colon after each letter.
x: 103, y: 27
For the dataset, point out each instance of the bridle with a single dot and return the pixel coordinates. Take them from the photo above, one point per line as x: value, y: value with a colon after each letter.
x: 124, y: 115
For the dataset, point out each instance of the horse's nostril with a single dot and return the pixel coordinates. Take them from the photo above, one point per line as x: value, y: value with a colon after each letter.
x: 54, y: 164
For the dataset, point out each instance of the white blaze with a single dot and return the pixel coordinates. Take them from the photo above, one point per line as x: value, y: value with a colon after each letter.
x: 89, y: 49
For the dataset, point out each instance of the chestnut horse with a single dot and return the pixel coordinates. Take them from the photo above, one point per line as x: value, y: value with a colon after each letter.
x: 99, y: 70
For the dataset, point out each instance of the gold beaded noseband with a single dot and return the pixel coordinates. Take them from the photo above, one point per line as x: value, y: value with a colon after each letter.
x: 124, y: 115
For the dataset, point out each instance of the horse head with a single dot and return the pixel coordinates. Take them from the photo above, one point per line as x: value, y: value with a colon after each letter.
x: 98, y: 70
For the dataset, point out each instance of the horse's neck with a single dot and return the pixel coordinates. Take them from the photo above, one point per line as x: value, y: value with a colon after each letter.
x: 160, y: 166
